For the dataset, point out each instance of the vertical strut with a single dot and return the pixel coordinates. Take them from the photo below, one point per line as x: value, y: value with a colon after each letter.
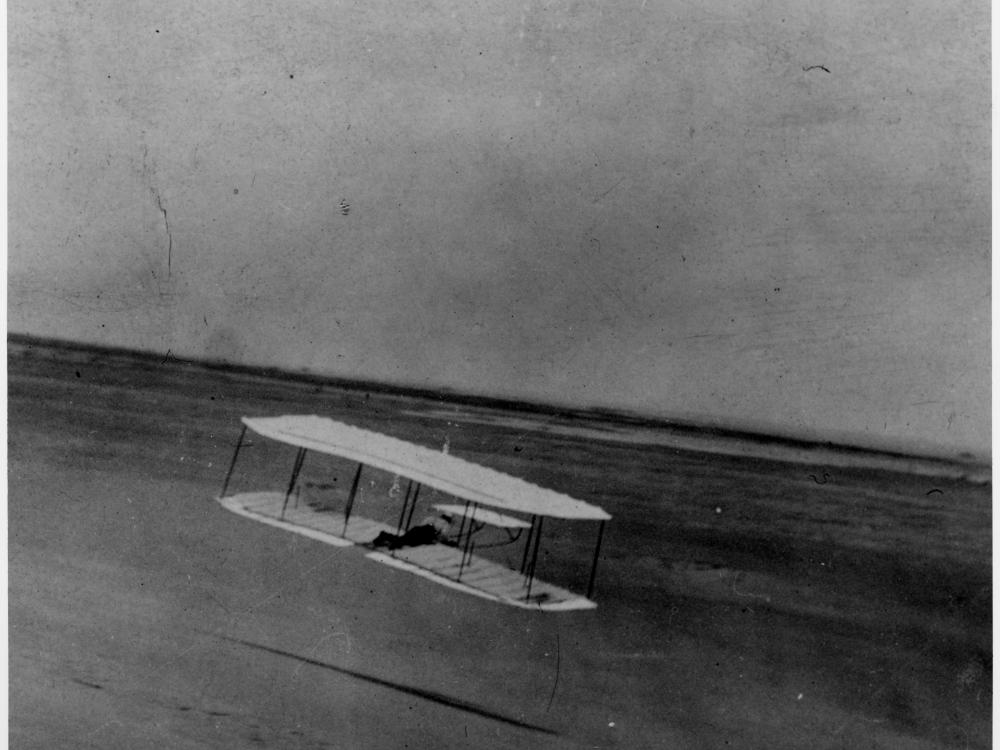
x: 534, y: 556
x: 597, y: 552
x: 300, y: 457
x: 351, y: 495
x: 413, y: 507
x: 527, y: 545
x: 232, y: 464
x: 461, y: 525
x: 468, y: 540
x: 402, y: 511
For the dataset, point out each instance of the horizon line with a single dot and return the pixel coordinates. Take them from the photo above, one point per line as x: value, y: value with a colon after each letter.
x: 960, y: 457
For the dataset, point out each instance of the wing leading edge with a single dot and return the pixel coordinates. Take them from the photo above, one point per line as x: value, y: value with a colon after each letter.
x: 443, y: 471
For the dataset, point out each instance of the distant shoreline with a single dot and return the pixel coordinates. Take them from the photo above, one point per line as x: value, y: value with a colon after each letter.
x: 797, y: 449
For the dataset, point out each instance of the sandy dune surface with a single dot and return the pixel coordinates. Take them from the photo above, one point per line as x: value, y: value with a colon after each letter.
x: 742, y: 603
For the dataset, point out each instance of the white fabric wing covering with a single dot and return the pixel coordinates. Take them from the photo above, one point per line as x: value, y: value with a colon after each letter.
x: 429, y: 467
x: 482, y: 515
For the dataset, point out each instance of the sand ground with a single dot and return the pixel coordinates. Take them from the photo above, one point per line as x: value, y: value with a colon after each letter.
x: 743, y: 603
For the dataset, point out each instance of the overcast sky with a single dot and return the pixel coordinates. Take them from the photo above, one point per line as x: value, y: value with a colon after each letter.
x: 771, y: 215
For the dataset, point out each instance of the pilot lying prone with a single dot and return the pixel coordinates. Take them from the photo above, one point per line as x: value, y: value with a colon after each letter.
x: 433, y: 529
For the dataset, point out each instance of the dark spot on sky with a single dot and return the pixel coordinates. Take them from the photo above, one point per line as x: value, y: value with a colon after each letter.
x: 291, y: 75
x: 87, y: 683
x: 236, y: 191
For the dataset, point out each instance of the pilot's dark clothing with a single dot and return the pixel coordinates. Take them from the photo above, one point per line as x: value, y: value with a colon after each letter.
x: 429, y: 531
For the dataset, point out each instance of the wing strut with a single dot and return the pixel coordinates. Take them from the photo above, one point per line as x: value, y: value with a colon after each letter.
x: 407, y: 500
x: 351, y: 495
x: 527, y: 546
x: 461, y: 524
x: 466, y: 553
x: 232, y: 464
x: 534, y: 556
x: 300, y: 458
x: 593, y: 569
x: 413, y: 507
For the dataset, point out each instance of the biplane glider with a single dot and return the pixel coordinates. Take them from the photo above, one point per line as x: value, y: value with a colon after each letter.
x: 485, y: 498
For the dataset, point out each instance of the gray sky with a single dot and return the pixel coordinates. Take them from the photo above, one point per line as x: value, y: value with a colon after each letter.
x: 771, y: 215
